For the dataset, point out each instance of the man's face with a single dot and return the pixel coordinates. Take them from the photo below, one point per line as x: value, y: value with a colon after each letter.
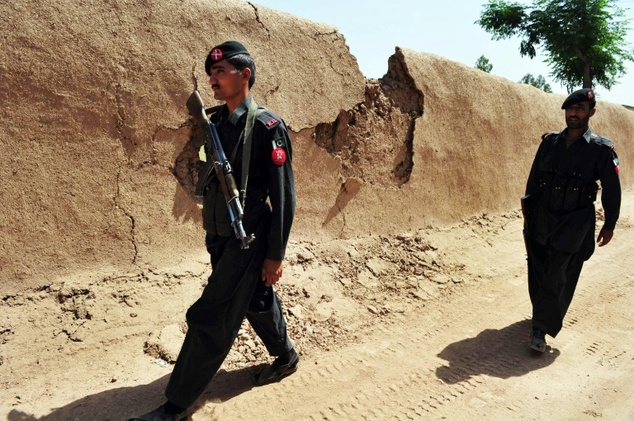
x: 578, y: 115
x: 226, y: 81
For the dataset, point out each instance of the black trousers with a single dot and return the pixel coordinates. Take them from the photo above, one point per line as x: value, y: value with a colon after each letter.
x: 552, y: 280
x: 234, y: 290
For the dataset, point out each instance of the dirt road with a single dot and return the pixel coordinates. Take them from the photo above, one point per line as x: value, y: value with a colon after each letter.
x: 444, y: 338
x: 464, y: 355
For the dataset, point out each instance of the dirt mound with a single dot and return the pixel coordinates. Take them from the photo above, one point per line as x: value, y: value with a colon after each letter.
x: 444, y: 308
x: 333, y: 292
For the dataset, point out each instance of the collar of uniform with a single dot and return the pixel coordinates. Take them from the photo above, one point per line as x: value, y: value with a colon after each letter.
x: 586, y: 136
x: 240, y: 111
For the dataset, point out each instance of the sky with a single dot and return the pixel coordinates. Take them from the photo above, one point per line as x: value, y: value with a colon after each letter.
x: 373, y: 28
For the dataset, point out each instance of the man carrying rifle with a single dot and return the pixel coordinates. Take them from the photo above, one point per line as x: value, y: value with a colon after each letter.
x: 243, y: 272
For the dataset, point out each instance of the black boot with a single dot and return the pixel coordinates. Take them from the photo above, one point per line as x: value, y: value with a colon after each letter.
x: 284, y: 365
x: 538, y: 340
x: 162, y: 413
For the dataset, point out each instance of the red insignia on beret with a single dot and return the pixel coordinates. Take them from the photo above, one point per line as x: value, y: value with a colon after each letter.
x: 278, y: 156
x: 216, y: 54
x: 271, y: 122
x: 590, y: 95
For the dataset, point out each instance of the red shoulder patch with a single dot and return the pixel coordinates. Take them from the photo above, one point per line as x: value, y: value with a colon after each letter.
x: 278, y: 156
x: 272, y: 122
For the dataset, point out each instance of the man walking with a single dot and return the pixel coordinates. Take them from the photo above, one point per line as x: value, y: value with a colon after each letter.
x: 560, y: 225
x: 241, y: 282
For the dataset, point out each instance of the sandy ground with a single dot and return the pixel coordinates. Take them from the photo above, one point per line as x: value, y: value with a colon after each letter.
x: 425, y: 325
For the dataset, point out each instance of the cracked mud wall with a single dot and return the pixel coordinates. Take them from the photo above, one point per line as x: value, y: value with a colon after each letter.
x: 434, y: 142
x: 99, y: 155
x: 478, y: 135
x: 94, y: 119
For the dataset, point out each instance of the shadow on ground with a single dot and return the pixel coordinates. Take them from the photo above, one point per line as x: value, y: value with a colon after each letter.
x: 122, y: 403
x: 499, y: 353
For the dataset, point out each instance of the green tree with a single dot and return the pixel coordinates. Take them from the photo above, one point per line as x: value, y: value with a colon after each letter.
x: 483, y: 63
x: 584, y: 40
x: 538, y: 82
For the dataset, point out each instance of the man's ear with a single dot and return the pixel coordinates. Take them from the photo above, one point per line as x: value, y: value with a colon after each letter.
x: 592, y: 111
x: 246, y: 74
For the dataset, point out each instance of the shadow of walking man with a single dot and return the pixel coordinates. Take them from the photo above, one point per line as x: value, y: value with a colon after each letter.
x: 499, y: 353
x: 121, y: 403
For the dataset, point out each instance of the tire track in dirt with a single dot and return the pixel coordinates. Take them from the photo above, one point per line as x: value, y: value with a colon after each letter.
x: 475, y: 348
x: 595, y: 363
x: 391, y: 374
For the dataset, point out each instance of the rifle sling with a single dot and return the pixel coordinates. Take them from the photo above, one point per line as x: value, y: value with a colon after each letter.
x: 246, y: 138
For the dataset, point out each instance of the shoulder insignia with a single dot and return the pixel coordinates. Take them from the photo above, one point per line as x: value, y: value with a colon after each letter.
x: 278, y: 156
x: 279, y: 143
x: 269, y: 119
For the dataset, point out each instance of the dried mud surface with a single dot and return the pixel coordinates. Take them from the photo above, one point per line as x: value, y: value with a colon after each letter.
x: 425, y: 325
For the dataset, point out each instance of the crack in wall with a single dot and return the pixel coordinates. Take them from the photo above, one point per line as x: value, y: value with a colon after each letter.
x: 270, y: 92
x: 403, y: 91
x: 129, y: 147
x: 374, y: 140
x: 133, y: 240
x: 324, y: 34
x: 402, y: 87
x: 187, y: 164
x: 193, y: 75
x: 336, y: 70
x: 347, y: 191
x: 258, y: 20
x: 155, y: 160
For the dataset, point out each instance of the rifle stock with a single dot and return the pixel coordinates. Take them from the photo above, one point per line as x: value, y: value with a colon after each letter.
x: 222, y: 167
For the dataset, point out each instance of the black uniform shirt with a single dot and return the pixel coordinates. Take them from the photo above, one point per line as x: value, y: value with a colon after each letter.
x: 267, y: 179
x: 569, y: 174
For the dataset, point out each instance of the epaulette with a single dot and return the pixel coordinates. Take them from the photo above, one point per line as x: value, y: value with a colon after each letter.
x: 600, y: 140
x: 545, y: 135
x: 269, y: 119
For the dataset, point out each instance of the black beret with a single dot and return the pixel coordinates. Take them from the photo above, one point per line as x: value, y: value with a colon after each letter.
x: 582, y: 95
x: 222, y: 52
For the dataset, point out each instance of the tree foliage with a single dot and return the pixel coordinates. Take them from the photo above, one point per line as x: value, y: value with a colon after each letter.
x: 538, y: 82
x: 584, y: 40
x: 483, y: 63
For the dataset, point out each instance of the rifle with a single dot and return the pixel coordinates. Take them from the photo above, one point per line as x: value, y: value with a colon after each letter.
x: 222, y: 167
